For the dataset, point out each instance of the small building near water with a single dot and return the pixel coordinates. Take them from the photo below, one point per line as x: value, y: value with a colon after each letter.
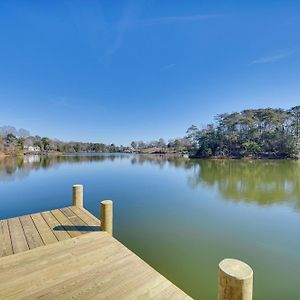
x: 32, y: 149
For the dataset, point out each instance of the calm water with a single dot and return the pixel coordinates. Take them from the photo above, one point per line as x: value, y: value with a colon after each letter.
x: 181, y: 216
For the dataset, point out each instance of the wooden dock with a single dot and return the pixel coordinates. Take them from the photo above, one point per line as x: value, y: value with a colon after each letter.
x: 68, y: 253
x: 28, y: 232
x: 63, y: 254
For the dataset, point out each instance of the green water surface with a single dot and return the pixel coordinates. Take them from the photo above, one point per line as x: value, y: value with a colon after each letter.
x: 181, y: 216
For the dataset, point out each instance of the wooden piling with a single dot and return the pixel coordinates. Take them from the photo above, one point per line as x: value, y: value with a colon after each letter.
x: 106, y: 216
x: 78, y: 195
x: 235, y: 280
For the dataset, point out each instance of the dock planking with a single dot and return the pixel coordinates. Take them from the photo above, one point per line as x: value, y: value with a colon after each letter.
x: 90, y: 266
x: 65, y: 254
x: 70, y: 258
x: 22, y: 233
x: 68, y: 253
x: 5, y: 240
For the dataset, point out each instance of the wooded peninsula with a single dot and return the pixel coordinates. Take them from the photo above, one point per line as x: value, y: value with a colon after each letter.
x: 251, y: 133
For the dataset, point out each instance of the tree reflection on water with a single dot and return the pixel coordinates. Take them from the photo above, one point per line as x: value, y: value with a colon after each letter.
x: 261, y: 181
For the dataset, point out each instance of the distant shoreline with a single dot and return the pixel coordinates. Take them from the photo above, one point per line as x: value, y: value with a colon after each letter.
x: 185, y: 155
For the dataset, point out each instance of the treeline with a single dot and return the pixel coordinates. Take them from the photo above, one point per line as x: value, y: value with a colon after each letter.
x: 18, y: 141
x: 257, y: 133
x: 15, y: 142
x: 48, y: 145
x: 179, y: 145
x: 253, y: 133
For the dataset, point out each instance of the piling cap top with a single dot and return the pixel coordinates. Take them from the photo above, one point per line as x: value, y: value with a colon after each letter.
x: 106, y: 202
x: 235, y: 268
x: 77, y: 185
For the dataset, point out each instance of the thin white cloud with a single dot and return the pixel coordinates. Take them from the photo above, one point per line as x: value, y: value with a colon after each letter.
x: 181, y: 19
x: 122, y: 28
x: 129, y: 19
x: 130, y: 13
x: 105, y: 37
x: 275, y: 57
x: 167, y: 67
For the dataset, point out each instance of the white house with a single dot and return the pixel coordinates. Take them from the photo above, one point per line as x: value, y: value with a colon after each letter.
x: 32, y: 148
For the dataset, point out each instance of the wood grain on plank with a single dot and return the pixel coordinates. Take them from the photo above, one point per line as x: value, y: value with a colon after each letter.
x: 5, y: 241
x: 82, y: 214
x: 18, y: 239
x: 53, y: 223
x: 65, y: 223
x: 89, y: 214
x: 78, y: 223
x: 43, y: 228
x: 90, y: 266
x: 31, y: 234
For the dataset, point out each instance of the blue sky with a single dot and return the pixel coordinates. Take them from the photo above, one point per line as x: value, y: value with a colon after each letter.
x: 116, y: 71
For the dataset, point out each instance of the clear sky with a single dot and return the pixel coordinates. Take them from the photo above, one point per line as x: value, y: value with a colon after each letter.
x: 116, y: 71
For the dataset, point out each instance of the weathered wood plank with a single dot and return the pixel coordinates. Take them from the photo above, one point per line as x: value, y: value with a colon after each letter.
x: 61, y: 235
x: 65, y: 223
x: 44, y: 230
x: 90, y: 214
x: 91, y: 266
x: 78, y: 223
x: 5, y: 241
x: 18, y: 240
x: 31, y: 234
x: 53, y: 251
x: 86, y: 217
